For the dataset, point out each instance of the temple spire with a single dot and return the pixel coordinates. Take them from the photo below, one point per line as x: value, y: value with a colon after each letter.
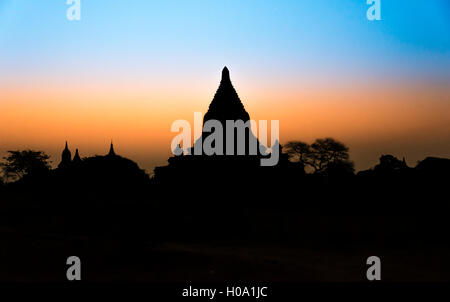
x: 111, y: 150
x: 76, y: 158
x: 226, y: 104
x: 66, y: 157
x: 225, y: 74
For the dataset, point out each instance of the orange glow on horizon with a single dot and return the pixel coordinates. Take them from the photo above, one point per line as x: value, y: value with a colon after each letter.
x: 138, y: 119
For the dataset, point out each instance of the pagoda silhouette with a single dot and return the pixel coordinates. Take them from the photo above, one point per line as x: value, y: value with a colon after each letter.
x: 68, y: 162
x: 227, y: 106
x: 218, y: 168
x: 100, y: 173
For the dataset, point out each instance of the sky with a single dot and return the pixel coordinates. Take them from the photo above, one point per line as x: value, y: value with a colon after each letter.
x: 128, y: 69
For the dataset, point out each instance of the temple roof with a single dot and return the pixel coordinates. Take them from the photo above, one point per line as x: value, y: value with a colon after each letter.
x: 226, y: 104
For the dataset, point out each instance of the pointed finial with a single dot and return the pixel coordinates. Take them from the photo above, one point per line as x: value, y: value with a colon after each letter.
x: 76, y: 158
x: 66, y: 157
x: 111, y: 150
x: 225, y: 74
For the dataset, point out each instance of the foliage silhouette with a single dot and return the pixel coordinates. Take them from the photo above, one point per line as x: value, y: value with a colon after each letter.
x: 321, y: 155
x: 23, y: 163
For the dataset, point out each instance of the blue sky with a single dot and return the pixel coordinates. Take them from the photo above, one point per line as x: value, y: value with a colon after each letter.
x: 316, y: 35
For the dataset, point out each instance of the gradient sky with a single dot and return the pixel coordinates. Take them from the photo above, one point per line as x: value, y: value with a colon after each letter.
x: 128, y: 69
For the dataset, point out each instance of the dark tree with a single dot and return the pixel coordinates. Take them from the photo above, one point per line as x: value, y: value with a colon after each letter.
x: 320, y: 155
x: 328, y: 151
x: 299, y: 152
x: 21, y: 163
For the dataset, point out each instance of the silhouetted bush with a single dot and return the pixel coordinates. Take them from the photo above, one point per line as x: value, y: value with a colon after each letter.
x: 322, y: 155
x: 24, y: 163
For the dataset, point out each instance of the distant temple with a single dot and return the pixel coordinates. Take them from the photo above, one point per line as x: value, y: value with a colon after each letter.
x: 111, y: 150
x: 76, y: 158
x: 66, y: 158
x: 67, y: 161
x: 100, y: 177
